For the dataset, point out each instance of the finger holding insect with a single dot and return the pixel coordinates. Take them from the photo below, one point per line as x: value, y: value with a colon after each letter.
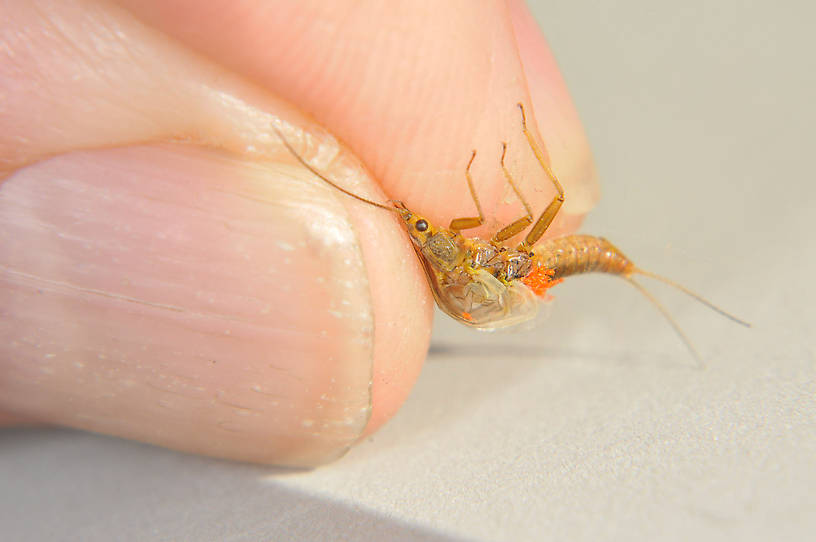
x: 207, y: 87
x: 441, y: 80
x: 169, y: 273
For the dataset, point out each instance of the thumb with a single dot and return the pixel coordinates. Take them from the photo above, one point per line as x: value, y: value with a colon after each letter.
x: 166, y: 273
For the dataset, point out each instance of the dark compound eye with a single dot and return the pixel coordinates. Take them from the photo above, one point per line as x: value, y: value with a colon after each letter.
x: 421, y: 225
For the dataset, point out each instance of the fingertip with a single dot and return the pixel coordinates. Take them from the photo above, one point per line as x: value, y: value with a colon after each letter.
x: 403, y: 312
x: 410, y: 91
x: 179, y: 296
x: 557, y: 119
x: 400, y: 301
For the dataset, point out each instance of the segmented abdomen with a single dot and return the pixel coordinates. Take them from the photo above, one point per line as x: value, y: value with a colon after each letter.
x: 575, y: 254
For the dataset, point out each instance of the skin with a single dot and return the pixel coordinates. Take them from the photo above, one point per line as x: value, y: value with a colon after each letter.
x: 169, y: 274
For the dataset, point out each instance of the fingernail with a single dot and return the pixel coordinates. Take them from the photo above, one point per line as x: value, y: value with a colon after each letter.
x: 182, y: 297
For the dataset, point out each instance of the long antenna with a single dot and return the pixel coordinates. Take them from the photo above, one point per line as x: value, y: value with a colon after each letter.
x: 666, y: 314
x: 692, y: 294
x: 632, y: 270
x: 325, y: 179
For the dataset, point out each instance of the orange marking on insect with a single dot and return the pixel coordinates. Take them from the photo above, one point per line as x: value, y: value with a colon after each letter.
x: 467, y: 316
x: 539, y: 280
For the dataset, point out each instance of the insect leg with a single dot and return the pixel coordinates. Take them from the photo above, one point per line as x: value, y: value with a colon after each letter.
x: 521, y: 224
x: 552, y: 209
x: 465, y: 223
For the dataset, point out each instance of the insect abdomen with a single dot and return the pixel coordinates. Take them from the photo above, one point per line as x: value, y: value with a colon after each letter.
x: 576, y: 254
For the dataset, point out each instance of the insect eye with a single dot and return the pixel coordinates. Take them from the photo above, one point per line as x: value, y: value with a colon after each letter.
x: 421, y: 225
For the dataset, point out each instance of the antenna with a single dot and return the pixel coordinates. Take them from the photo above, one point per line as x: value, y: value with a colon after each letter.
x: 666, y: 314
x: 693, y: 295
x: 324, y: 178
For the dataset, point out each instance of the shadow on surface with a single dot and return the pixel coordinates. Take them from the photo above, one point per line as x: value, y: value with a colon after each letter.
x: 60, y: 484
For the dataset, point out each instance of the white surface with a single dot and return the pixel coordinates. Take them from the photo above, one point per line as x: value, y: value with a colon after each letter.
x: 595, y: 425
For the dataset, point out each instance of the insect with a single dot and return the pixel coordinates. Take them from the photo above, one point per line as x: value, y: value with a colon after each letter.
x: 488, y: 285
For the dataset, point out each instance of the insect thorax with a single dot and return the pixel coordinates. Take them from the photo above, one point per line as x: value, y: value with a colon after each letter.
x: 501, y: 262
x: 444, y: 250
